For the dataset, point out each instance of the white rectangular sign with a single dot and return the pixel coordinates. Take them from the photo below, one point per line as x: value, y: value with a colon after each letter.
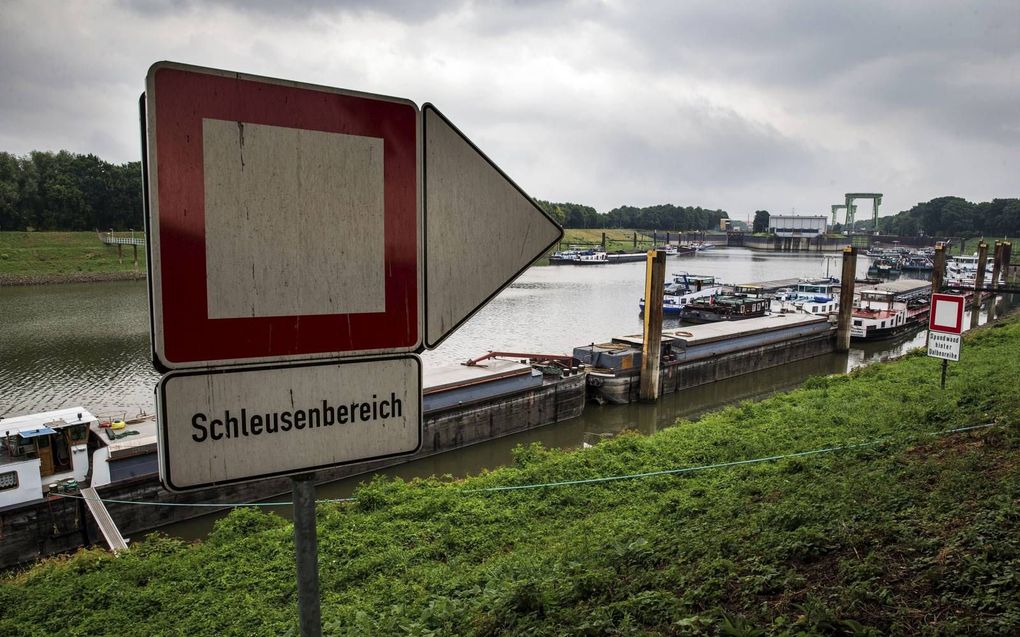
x: 942, y: 345
x: 231, y: 425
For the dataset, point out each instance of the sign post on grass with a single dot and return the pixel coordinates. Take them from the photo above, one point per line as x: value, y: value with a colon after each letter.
x: 945, y: 325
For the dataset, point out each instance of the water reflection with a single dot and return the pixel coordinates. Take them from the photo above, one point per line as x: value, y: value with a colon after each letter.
x: 75, y: 344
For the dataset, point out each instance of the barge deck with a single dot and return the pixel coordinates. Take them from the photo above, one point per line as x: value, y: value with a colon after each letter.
x: 702, y: 354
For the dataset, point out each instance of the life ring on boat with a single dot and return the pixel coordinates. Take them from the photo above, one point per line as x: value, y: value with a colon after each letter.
x: 118, y: 424
x: 595, y: 381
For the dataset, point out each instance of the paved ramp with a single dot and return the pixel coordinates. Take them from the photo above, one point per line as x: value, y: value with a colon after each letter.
x: 103, y: 520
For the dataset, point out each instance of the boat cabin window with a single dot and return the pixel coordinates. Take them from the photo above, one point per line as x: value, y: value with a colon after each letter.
x: 8, y: 480
x: 77, y: 434
x: 858, y: 322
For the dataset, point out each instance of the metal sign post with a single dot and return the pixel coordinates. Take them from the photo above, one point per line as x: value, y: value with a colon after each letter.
x: 306, y: 553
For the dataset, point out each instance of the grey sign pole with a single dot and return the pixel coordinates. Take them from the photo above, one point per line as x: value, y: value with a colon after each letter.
x: 306, y: 550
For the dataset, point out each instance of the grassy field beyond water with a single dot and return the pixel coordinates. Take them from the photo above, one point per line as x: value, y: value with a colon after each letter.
x: 867, y: 516
x: 47, y: 257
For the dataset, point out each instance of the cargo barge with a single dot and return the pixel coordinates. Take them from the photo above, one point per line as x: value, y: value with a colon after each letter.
x: 700, y: 354
x: 725, y: 308
x: 891, y: 309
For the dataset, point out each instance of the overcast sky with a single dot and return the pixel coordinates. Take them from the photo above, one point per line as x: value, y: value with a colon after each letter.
x: 777, y: 105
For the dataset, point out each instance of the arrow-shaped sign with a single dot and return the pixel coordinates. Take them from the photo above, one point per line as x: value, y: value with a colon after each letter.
x: 481, y: 230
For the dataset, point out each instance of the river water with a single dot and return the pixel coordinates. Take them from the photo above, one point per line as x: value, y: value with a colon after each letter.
x: 88, y: 345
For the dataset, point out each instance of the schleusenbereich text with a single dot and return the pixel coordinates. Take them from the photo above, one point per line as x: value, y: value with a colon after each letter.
x: 241, y: 424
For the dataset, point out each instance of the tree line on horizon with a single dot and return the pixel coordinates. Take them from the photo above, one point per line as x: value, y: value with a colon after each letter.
x: 947, y: 216
x: 952, y: 217
x: 68, y: 191
x: 659, y: 217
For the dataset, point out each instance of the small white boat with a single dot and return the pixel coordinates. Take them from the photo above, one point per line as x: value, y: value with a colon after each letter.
x: 591, y: 257
x: 38, y: 450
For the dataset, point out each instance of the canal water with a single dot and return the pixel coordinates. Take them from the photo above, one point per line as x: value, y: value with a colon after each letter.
x: 88, y: 345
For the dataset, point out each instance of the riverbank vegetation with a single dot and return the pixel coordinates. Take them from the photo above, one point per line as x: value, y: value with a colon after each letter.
x: 44, y: 257
x: 620, y: 239
x: 866, y: 516
x: 616, y: 240
x: 660, y: 217
x: 68, y: 191
x: 954, y: 217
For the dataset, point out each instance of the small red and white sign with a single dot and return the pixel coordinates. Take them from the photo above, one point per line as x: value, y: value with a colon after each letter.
x: 946, y: 313
x: 284, y: 219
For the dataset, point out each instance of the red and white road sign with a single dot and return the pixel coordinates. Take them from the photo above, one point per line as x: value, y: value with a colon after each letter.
x: 946, y: 313
x: 284, y: 219
x: 287, y: 221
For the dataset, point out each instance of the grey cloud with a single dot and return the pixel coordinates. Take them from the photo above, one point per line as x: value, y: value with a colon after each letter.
x: 902, y: 97
x: 411, y: 11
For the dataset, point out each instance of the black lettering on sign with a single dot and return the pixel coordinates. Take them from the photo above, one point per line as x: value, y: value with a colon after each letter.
x: 323, y: 414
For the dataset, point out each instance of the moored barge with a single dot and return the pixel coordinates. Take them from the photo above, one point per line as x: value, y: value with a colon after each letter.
x: 700, y: 354
x: 724, y: 308
x: 891, y: 309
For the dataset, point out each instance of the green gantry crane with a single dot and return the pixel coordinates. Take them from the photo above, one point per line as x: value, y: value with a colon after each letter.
x: 851, y: 209
x: 837, y: 207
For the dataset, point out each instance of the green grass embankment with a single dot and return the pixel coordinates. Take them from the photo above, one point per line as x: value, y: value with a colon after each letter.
x: 911, y: 533
x: 971, y: 247
x: 617, y: 240
x: 49, y: 257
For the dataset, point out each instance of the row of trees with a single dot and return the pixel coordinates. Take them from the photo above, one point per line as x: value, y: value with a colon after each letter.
x: 67, y: 191
x: 661, y: 217
x: 953, y: 216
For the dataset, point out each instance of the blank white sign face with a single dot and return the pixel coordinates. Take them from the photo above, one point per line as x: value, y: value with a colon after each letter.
x: 270, y: 192
x: 946, y: 314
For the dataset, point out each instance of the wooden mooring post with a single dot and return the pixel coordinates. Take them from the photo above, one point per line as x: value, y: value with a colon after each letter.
x: 996, y: 272
x: 1007, y: 256
x: 651, y: 342
x: 938, y: 274
x: 979, y: 282
x: 846, y: 299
